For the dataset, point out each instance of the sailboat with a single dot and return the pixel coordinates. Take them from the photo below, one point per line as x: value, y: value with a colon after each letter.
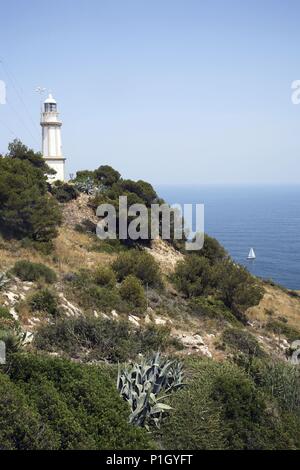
x: 251, y: 254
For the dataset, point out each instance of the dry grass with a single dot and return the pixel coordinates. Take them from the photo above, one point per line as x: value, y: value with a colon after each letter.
x: 71, y: 252
x: 277, y: 303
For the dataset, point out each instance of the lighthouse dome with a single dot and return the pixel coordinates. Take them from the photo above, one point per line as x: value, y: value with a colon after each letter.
x: 50, y: 100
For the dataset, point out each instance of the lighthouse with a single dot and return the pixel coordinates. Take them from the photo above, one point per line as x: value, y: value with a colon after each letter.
x: 51, y: 139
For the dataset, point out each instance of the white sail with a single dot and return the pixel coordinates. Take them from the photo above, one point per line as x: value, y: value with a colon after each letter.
x: 251, y: 254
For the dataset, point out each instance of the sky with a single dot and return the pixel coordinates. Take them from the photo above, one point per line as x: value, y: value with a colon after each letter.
x: 169, y: 91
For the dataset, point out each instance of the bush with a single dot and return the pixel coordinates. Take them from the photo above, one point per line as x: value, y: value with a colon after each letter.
x: 44, y: 301
x: 26, y: 210
x: 105, y: 276
x: 28, y: 271
x: 222, y: 409
x: 209, y: 307
x: 212, y: 250
x: 242, y: 341
x: 141, y: 265
x: 7, y: 321
x: 86, y: 226
x: 279, y: 379
x: 225, y: 280
x: 64, y: 406
x: 132, y: 291
x: 106, y: 175
x: 103, y: 339
x: 193, y: 276
x: 281, y: 328
x: 64, y: 192
x: 20, y: 425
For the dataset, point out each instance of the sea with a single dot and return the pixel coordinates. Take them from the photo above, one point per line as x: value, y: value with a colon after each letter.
x: 266, y: 218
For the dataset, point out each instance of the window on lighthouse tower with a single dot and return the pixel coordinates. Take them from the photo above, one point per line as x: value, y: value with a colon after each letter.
x: 50, y: 107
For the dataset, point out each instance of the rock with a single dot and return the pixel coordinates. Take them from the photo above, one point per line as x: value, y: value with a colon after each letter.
x: 150, y: 310
x: 106, y: 317
x: 114, y: 314
x: 194, y: 342
x: 147, y: 319
x: 198, y: 339
x: 13, y: 298
x: 160, y: 321
x: 28, y: 338
x: 14, y: 313
x: 165, y: 254
x: 205, y: 351
x: 96, y: 314
x: 26, y: 288
x: 133, y: 320
x: 69, y: 307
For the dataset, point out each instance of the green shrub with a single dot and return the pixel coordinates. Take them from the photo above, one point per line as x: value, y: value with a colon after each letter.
x: 108, y: 246
x: 104, y: 339
x: 64, y: 192
x: 212, y: 250
x: 193, y: 276
x: 220, y: 408
x: 78, y: 405
x: 132, y: 291
x: 91, y: 296
x: 140, y: 264
x: 232, y: 284
x: 13, y: 338
x: 28, y: 271
x: 20, y: 425
x: 242, y: 341
x: 26, y: 210
x: 281, y: 328
x: 209, y: 307
x: 106, y: 175
x: 105, y: 276
x: 279, y: 379
x: 44, y: 301
x: 7, y: 321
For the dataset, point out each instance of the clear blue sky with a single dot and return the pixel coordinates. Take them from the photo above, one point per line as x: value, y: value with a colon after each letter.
x: 164, y: 90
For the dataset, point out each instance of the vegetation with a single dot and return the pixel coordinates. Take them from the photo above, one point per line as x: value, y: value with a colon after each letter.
x: 140, y: 384
x: 64, y: 192
x: 26, y: 210
x: 132, y: 291
x: 139, y: 264
x: 28, y: 271
x: 221, y: 408
x: 242, y: 341
x: 196, y: 276
x: 44, y: 301
x: 247, y: 401
x: 105, y: 276
x: 6, y: 319
x: 102, y: 339
x: 279, y: 327
x: 56, y: 404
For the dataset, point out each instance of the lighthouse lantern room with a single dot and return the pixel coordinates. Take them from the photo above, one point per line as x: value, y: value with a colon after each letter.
x: 51, y: 139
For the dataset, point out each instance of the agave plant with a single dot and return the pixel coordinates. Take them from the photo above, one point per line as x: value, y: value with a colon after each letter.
x: 87, y: 186
x: 13, y: 339
x: 3, y: 280
x: 140, y: 384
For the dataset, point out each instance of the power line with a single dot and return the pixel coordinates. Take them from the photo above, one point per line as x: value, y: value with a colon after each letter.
x: 22, y: 122
x: 14, y: 84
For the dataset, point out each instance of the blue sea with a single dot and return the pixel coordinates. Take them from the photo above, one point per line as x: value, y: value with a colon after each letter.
x: 266, y: 218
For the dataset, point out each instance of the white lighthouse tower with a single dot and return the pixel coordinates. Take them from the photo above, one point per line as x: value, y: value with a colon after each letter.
x: 51, y: 139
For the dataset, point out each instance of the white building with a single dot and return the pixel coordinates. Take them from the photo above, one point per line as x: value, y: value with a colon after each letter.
x: 51, y: 139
